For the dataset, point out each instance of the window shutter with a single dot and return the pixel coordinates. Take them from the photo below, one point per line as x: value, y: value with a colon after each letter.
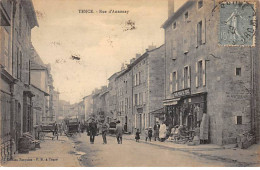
x: 135, y: 120
x: 171, y: 74
x: 197, y: 40
x: 144, y: 99
x: 189, y: 76
x: 204, y: 72
x: 133, y: 100
x: 176, y: 81
x: 196, y: 75
x: 182, y: 78
x: 203, y: 31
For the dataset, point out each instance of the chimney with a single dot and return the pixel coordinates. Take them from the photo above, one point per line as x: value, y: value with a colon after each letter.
x: 170, y: 7
x: 132, y: 60
x: 151, y: 47
x: 122, y: 66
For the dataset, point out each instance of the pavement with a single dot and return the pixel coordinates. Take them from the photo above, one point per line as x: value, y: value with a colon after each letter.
x: 77, y: 151
x: 53, y: 153
x: 241, y: 157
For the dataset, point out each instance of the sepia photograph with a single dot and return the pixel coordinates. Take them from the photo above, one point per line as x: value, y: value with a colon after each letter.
x: 130, y: 83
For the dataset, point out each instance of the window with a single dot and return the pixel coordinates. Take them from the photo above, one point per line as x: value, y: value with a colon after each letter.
x: 238, y: 120
x: 186, y: 77
x: 135, y: 99
x: 238, y: 71
x: 140, y: 98
x: 200, y: 73
x: 6, y: 49
x: 186, y: 15
x: 139, y: 75
x: 20, y: 64
x: 20, y: 20
x: 174, y: 25
x: 200, y: 4
x: 199, y: 33
x: 174, y: 81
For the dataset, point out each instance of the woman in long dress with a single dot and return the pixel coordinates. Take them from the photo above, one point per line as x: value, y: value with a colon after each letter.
x: 162, y: 132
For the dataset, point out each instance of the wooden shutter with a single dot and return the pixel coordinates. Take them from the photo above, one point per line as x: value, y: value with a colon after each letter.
x: 135, y: 120
x: 196, y: 75
x: 197, y: 33
x: 203, y: 31
x: 204, y: 72
x: 183, y: 78
x: 176, y: 81
x: 189, y: 76
x: 171, y: 82
x: 134, y: 100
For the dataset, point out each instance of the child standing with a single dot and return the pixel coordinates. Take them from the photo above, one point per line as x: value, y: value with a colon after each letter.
x: 150, y: 133
x: 137, y: 135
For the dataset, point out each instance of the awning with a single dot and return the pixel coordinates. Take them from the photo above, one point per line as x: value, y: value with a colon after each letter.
x: 170, y: 102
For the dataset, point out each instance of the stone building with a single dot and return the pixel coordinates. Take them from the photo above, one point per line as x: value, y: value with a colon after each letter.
x: 148, y: 87
x: 64, y: 110
x: 209, y: 72
x: 100, y: 103
x: 17, y: 19
x: 124, y: 93
x: 112, y: 97
x: 55, y: 104
x: 88, y: 106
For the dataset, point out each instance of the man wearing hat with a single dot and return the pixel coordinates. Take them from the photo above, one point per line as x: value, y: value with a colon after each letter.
x: 92, y: 130
x: 156, y: 130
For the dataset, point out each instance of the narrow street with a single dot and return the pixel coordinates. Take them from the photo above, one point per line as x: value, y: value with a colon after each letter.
x: 135, y: 154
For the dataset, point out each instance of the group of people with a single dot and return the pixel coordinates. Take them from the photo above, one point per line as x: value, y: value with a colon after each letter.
x: 159, y: 133
x: 92, y: 131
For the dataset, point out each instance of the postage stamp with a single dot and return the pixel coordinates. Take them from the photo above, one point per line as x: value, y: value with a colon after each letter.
x: 237, y: 24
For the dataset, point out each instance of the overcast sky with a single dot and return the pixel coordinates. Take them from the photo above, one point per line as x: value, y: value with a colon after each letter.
x: 102, y: 41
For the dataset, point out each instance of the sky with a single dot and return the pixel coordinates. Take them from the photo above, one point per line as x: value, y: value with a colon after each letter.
x: 101, y: 41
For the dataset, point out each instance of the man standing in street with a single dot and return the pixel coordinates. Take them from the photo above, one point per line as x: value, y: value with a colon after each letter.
x: 156, y: 130
x: 119, y: 132
x: 92, y: 130
x: 104, y: 129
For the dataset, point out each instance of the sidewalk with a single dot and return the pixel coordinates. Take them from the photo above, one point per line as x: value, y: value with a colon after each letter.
x: 53, y: 153
x: 243, y: 157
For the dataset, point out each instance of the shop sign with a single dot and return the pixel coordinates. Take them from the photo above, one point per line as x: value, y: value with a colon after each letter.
x: 180, y: 93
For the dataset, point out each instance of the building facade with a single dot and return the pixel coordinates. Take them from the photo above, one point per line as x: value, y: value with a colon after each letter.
x: 148, y: 87
x: 88, y: 106
x: 203, y: 76
x: 17, y: 19
x: 124, y: 93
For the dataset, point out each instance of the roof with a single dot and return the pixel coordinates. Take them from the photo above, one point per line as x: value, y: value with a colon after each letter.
x: 138, y: 60
x: 30, y: 12
x: 178, y: 13
x: 45, y: 93
x: 36, y: 66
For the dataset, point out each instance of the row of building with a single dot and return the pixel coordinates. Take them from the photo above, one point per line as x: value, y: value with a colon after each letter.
x: 202, y: 68
x: 27, y: 97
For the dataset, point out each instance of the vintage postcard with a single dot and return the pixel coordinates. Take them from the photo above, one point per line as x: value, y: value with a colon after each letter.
x: 130, y: 83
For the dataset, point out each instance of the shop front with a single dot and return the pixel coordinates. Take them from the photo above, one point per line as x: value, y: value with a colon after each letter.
x: 185, y: 109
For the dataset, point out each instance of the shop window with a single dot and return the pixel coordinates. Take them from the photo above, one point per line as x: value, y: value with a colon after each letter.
x: 238, y: 71
x: 239, y: 120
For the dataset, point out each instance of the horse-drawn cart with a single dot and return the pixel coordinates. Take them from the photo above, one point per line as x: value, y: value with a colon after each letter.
x: 50, y: 129
x: 72, y: 127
